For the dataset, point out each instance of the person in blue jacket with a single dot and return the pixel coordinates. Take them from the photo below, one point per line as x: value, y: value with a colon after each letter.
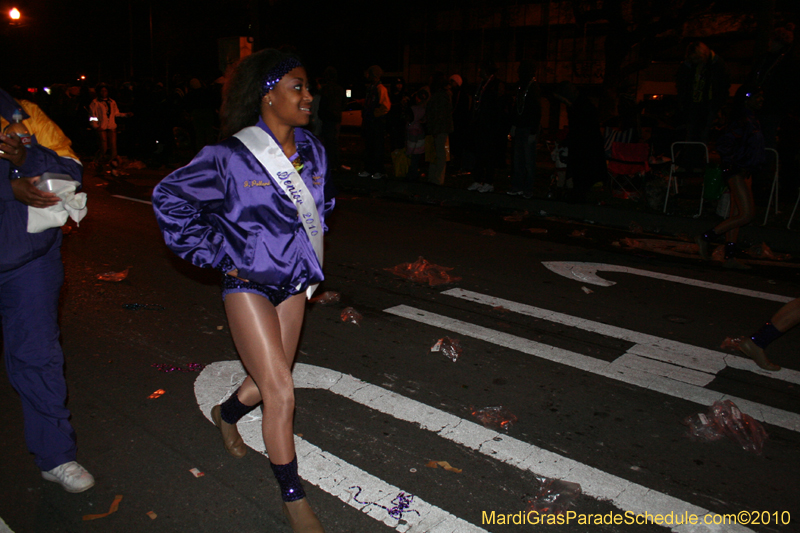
x: 31, y: 275
x: 253, y: 207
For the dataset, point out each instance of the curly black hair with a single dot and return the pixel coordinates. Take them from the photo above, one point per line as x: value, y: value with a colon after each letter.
x: 241, y: 105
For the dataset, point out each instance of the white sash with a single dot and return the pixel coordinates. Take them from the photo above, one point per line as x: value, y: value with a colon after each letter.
x: 271, y: 156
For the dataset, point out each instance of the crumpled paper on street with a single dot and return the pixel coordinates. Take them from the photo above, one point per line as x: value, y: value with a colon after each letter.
x: 421, y: 271
x: 443, y: 464
x: 516, y: 217
x: 450, y: 348
x: 72, y: 205
x: 113, y: 276
x: 112, y: 509
x: 554, y: 496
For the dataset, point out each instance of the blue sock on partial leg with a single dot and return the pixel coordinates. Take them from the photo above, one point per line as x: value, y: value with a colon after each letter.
x: 289, y: 481
x: 767, y: 334
x: 232, y: 409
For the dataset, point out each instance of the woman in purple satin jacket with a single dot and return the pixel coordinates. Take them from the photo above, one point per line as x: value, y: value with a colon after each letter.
x: 225, y: 210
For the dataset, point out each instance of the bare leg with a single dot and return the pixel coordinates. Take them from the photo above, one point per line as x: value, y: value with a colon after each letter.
x: 266, y: 338
x: 787, y: 316
x: 112, y: 140
x: 742, y: 209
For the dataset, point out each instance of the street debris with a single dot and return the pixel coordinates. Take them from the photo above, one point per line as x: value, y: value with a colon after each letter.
x: 157, y: 394
x: 351, y: 315
x: 488, y: 232
x: 587, y: 290
x: 724, y: 419
x: 516, y: 217
x: 421, y: 271
x: 501, y: 309
x: 152, y: 515
x: 555, y: 496
x: 112, y: 509
x: 190, y: 367
x: 146, y: 307
x: 762, y: 251
x: 635, y: 227
x: 450, y: 348
x: 578, y: 233
x: 537, y: 230
x: 402, y: 504
x: 443, y: 464
x: 196, y: 473
x: 327, y: 297
x: 113, y: 276
x: 495, y: 417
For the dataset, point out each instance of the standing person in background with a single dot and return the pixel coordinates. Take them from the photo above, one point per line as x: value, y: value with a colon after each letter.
x: 439, y: 124
x: 415, y: 133
x: 462, y: 107
x: 586, y: 163
x: 785, y: 319
x: 526, y: 118
x: 487, y: 127
x: 373, y: 124
x: 777, y: 73
x: 31, y: 276
x: 254, y: 207
x: 741, y: 150
x: 395, y: 119
x: 702, y: 83
x: 103, y: 113
x: 331, y: 104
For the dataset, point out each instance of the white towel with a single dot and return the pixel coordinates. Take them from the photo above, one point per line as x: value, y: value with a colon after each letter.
x: 72, y: 205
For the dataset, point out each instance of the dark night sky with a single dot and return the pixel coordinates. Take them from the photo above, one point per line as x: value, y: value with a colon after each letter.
x: 59, y: 40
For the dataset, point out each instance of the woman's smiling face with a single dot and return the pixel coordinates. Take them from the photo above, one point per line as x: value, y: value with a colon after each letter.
x: 290, y: 99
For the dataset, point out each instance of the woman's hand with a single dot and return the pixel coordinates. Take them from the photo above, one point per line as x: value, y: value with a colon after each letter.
x: 235, y: 274
x: 25, y: 191
x: 11, y: 148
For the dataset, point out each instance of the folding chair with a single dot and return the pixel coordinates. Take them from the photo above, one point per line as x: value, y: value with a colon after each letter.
x: 789, y: 224
x: 774, y: 191
x: 673, y: 167
x: 628, y: 160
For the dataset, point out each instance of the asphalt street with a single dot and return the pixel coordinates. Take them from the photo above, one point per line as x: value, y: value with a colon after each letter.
x: 599, y: 378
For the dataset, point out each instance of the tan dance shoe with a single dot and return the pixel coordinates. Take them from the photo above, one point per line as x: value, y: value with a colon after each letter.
x: 230, y: 434
x: 752, y: 350
x: 301, y: 517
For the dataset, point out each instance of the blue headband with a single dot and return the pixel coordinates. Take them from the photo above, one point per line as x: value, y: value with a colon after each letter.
x: 277, y: 72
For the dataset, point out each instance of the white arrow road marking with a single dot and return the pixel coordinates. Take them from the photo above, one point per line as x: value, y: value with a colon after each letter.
x: 335, y: 476
x: 587, y: 273
x: 649, y: 380
x: 649, y: 347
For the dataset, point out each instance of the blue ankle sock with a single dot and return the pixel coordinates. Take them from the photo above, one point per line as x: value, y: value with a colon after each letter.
x: 289, y: 481
x: 232, y: 409
x: 730, y: 250
x: 764, y: 336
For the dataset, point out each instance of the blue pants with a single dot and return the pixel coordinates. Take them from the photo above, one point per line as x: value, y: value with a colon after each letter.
x: 33, y: 356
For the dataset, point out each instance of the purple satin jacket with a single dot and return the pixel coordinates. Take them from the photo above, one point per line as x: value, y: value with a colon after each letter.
x: 224, y: 202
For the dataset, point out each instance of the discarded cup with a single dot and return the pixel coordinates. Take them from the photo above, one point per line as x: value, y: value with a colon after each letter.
x: 495, y: 417
x: 555, y: 496
x: 450, y: 348
x: 351, y: 315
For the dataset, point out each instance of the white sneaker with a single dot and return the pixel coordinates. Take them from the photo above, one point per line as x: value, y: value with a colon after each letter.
x: 364, y: 174
x: 72, y: 476
x: 378, y: 176
x: 486, y: 187
x: 475, y: 186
